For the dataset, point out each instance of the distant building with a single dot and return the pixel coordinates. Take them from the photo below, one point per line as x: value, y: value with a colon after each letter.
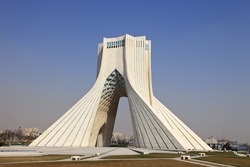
x: 217, y: 144
x: 223, y: 141
x: 234, y: 145
x: 213, y: 143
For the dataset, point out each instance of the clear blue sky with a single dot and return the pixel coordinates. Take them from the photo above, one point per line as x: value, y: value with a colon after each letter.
x: 200, y: 59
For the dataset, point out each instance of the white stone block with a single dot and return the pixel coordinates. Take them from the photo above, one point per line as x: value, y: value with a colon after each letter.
x: 75, y: 158
x: 202, y: 154
x: 185, y: 157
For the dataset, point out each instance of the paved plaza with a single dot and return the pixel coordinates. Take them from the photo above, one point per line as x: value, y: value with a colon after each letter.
x: 87, y: 151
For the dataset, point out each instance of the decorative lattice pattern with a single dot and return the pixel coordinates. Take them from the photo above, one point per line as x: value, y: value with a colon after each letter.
x: 114, y: 88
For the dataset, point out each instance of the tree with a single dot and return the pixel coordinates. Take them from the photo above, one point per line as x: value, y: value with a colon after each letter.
x: 227, y: 146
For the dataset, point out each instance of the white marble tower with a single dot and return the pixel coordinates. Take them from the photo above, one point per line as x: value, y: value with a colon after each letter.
x: 124, y: 70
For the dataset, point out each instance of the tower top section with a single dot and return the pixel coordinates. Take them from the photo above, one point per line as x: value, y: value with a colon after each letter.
x: 125, y: 36
x: 117, y: 42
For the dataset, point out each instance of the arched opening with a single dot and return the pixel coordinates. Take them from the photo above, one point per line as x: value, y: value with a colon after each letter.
x: 123, y: 123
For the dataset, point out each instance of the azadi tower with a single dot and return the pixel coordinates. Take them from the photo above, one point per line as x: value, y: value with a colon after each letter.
x: 124, y: 70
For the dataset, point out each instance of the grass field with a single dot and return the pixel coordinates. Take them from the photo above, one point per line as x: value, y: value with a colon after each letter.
x: 153, y: 155
x: 227, y: 158
x: 219, y: 157
x: 212, y: 153
x: 125, y: 163
x: 235, y: 161
x: 35, y: 158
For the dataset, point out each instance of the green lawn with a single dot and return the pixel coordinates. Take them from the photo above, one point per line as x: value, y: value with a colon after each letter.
x: 34, y: 158
x: 227, y: 158
x: 153, y: 155
x: 118, y: 163
x: 212, y: 153
x: 219, y: 157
